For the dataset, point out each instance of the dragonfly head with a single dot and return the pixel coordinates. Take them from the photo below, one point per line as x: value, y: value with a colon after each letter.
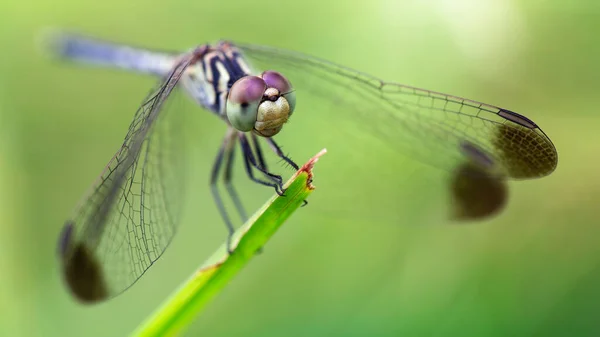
x: 261, y: 104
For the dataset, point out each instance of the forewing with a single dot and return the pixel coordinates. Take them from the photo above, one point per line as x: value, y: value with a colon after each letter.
x: 130, y: 215
x: 435, y: 128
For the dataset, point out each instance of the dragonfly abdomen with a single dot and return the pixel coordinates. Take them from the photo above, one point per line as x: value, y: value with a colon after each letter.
x: 106, y: 54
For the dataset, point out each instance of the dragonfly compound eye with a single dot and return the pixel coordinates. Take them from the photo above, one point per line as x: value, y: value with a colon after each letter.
x: 242, y: 103
x: 276, y: 80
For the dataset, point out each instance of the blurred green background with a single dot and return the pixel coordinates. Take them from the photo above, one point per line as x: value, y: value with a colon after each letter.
x: 377, y: 260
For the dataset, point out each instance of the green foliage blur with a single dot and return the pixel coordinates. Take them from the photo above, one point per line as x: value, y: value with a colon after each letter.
x: 380, y: 259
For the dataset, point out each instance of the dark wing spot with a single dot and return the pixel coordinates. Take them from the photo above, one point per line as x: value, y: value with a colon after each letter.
x: 526, y: 153
x: 476, y: 194
x: 84, y: 275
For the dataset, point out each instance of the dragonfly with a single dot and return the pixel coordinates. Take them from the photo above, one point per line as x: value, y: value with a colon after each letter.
x: 127, y: 219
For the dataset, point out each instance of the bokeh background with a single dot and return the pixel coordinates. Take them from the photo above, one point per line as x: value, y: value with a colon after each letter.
x: 378, y: 259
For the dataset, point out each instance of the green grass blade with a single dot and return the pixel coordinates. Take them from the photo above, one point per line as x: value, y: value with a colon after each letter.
x: 187, y: 302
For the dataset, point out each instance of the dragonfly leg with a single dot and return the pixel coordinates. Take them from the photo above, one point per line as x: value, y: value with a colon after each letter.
x: 277, y: 149
x: 215, y: 191
x: 259, y: 153
x: 227, y: 180
x: 250, y: 162
x: 261, y: 159
x: 261, y: 164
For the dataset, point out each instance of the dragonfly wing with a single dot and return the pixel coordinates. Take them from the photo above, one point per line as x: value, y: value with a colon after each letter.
x: 129, y: 216
x: 435, y: 128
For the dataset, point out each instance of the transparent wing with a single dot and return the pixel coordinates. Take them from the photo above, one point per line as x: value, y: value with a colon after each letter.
x: 130, y: 215
x: 435, y: 128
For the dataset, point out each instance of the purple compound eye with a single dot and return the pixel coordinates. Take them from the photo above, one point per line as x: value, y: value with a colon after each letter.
x: 247, y: 89
x: 277, y: 81
x: 242, y: 103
